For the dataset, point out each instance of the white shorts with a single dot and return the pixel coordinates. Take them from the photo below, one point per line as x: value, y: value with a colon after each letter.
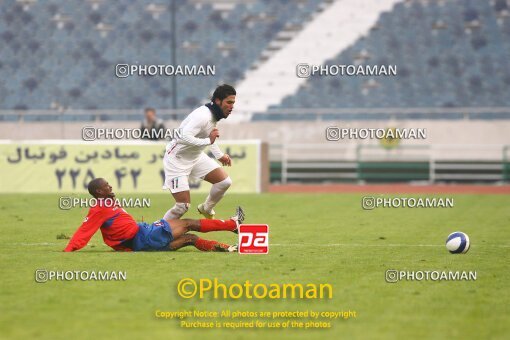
x: 177, y: 175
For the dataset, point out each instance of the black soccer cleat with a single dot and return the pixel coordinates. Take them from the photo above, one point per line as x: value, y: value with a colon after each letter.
x: 238, y: 218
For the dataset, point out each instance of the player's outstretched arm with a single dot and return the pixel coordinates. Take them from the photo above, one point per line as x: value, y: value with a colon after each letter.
x: 82, y: 236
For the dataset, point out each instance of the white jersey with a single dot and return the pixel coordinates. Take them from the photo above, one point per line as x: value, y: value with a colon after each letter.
x: 195, y: 131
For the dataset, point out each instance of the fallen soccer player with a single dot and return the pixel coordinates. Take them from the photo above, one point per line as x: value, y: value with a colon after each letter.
x: 122, y: 233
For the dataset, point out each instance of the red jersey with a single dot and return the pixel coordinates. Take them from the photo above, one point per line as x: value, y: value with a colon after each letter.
x: 115, y: 223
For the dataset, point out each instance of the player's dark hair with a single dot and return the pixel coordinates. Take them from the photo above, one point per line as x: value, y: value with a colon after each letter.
x: 147, y: 109
x: 223, y: 91
x: 94, y: 185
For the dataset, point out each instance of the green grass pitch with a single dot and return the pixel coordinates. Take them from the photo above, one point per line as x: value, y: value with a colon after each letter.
x: 314, y: 238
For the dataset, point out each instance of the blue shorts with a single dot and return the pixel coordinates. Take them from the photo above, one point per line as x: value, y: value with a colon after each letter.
x: 156, y: 236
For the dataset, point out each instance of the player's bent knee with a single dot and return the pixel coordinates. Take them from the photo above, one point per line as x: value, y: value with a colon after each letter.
x: 188, y: 224
x: 180, y: 208
x: 225, y: 184
x: 190, y: 238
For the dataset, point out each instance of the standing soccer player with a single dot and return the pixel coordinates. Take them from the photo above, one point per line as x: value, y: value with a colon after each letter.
x: 185, y: 157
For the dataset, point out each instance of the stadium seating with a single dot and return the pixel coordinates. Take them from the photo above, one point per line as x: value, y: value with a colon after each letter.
x: 61, y: 54
x: 448, y: 53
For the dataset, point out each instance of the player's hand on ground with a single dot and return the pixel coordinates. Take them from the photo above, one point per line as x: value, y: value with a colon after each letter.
x: 226, y: 160
x: 215, y: 133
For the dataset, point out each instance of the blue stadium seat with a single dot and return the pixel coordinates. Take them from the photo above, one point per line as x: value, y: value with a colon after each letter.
x: 444, y: 67
x: 55, y: 53
x: 61, y: 38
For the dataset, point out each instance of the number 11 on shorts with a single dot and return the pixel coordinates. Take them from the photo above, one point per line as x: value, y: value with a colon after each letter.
x: 253, y: 239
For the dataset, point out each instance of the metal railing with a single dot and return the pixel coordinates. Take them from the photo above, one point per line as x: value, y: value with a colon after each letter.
x: 362, y: 163
x: 467, y: 113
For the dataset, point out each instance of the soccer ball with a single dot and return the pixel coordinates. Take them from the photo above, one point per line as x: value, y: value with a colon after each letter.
x: 457, y: 243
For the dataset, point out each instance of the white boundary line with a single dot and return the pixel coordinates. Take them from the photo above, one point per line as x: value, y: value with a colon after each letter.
x: 376, y: 245
x: 353, y: 245
x: 313, y: 245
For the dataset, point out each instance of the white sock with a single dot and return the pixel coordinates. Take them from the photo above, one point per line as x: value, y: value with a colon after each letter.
x: 216, y: 194
x: 176, y: 211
